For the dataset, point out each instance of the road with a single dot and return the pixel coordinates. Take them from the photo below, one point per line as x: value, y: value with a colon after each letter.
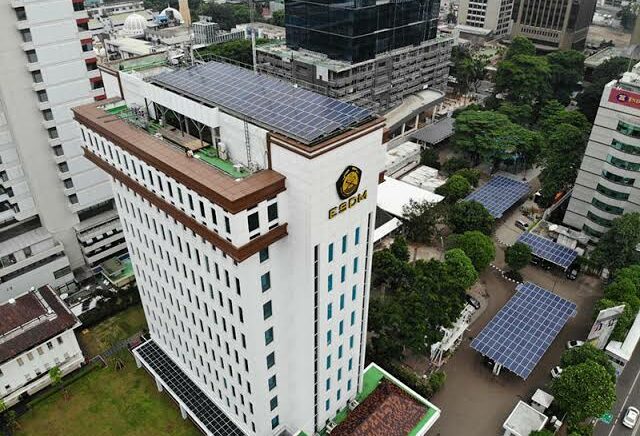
x: 628, y: 392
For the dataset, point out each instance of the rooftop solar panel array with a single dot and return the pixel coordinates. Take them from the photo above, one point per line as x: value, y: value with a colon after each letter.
x: 499, y: 194
x: 520, y: 333
x: 278, y: 105
x: 214, y: 419
x: 547, y: 249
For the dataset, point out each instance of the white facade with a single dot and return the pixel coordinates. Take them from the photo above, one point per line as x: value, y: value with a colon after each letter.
x: 244, y: 329
x: 608, y: 183
x: 494, y: 15
x: 26, y: 371
x: 48, y: 67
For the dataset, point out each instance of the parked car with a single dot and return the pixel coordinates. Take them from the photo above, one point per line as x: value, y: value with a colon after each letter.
x: 473, y: 301
x: 556, y: 371
x: 630, y: 417
x: 574, y: 344
x: 572, y: 273
x: 522, y: 224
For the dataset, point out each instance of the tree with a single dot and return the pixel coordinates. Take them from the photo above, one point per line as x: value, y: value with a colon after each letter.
x: 524, y: 79
x: 454, y: 164
x: 625, y: 291
x: 227, y: 15
x: 584, y: 391
x: 238, y: 50
x: 567, y: 69
x: 459, y: 268
x: 617, y: 247
x: 624, y: 322
x: 389, y: 271
x: 470, y: 72
x: 400, y: 249
x: 521, y: 114
x: 477, y: 246
x: 468, y: 216
x: 491, y: 137
x: 518, y: 256
x: 589, y: 99
x: 472, y: 175
x: 429, y: 157
x: 277, y: 18
x: 420, y: 219
x: 627, y: 17
x: 455, y: 188
x: 588, y: 353
x: 520, y: 45
x: 55, y: 375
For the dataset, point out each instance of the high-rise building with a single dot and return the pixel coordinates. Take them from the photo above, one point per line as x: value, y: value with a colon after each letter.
x: 608, y: 183
x: 554, y: 24
x: 371, y: 53
x: 489, y: 15
x: 248, y: 206
x: 52, y: 197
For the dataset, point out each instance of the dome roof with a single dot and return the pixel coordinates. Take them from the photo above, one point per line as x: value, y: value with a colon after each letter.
x: 170, y: 12
x: 134, y: 25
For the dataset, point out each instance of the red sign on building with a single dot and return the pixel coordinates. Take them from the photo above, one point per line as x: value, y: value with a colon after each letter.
x: 624, y: 97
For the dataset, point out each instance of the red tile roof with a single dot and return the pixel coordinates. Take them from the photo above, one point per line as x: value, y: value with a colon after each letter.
x: 29, y: 309
x: 388, y: 411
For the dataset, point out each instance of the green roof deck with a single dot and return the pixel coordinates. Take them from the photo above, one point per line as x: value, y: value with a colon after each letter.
x: 118, y: 272
x: 372, y: 379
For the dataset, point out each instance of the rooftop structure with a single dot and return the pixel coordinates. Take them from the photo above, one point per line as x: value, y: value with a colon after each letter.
x: 402, y: 157
x: 119, y: 272
x: 549, y: 250
x: 297, y: 113
x: 500, y: 194
x: 621, y: 352
x: 386, y: 407
x: 523, y: 420
x: 385, y: 224
x: 520, y: 333
x: 262, y: 30
x: 434, y: 134
x: 541, y: 400
x: 394, y: 194
x: 424, y: 177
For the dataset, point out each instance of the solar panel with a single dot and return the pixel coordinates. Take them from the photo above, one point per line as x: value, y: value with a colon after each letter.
x: 294, y: 112
x: 520, y: 333
x: 499, y: 194
x: 549, y: 250
x: 214, y: 419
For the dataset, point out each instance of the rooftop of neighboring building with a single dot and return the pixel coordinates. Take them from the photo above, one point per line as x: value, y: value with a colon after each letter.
x: 411, y: 106
x: 524, y: 419
x: 30, y: 320
x: 386, y: 407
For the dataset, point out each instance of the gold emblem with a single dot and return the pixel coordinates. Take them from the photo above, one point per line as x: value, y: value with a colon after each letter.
x: 348, y: 182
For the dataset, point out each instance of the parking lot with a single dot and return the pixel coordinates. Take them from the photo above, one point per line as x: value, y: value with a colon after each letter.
x: 473, y: 400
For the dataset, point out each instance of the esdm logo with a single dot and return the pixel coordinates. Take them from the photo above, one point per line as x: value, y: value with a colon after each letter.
x: 347, y: 185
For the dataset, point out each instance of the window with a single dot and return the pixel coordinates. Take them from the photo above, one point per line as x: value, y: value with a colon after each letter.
x: 355, y: 265
x: 611, y: 193
x: 265, y: 281
x: 598, y: 220
x: 339, y: 374
x: 356, y: 238
x: 351, y: 341
x: 268, y: 336
x: 341, y: 328
x: 264, y: 254
x: 591, y: 232
x: 267, y: 310
x: 329, y: 311
x: 621, y: 163
x: 26, y: 35
x: 341, y: 301
x: 353, y: 317
x: 20, y: 361
x: 344, y: 244
x: 47, y: 114
x: 618, y: 179
x: 607, y: 207
x: 343, y: 274
x: 32, y: 57
x: 272, y: 382
x: 329, y: 337
x: 626, y: 148
x: 329, y: 361
x: 68, y: 183
x: 253, y: 221
x: 274, y: 402
x: 350, y: 367
x: 42, y: 96
x: 275, y: 421
x: 227, y: 224
x: 349, y: 385
x: 330, y: 282
x: 628, y: 129
x: 73, y: 199
x: 272, y: 211
x: 327, y: 384
x: 327, y: 405
x: 21, y: 15
x: 354, y: 292
x: 271, y: 360
x: 36, y: 76
x: 330, y: 252
x: 338, y: 395
x: 52, y: 132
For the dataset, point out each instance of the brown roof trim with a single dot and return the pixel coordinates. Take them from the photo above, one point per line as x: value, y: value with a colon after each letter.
x: 314, y: 151
x: 236, y: 253
x: 211, y: 183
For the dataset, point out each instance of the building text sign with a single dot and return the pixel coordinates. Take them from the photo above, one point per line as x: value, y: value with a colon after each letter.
x: 625, y: 98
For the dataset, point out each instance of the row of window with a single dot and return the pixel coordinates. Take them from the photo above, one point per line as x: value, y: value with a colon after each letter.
x: 344, y: 244
x: 615, y: 210
x: 626, y: 148
x: 611, y: 193
x: 623, y: 164
x: 628, y: 129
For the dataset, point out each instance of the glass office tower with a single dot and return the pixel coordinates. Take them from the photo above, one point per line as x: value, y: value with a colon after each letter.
x: 358, y: 30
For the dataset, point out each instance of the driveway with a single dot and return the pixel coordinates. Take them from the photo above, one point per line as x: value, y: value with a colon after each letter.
x: 473, y: 400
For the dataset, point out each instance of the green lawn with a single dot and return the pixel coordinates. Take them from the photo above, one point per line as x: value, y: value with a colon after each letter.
x: 108, y: 402
x: 120, y: 326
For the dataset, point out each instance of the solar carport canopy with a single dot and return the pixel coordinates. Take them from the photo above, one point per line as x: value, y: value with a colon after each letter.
x: 499, y: 194
x: 551, y: 251
x: 522, y: 331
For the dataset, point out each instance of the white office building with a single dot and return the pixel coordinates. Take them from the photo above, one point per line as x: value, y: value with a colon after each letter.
x: 36, y: 334
x: 48, y: 66
x: 608, y: 183
x: 248, y: 208
x: 493, y: 16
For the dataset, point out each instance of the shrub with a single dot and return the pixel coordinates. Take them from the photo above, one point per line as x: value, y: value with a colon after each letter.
x: 472, y: 175
x: 454, y: 164
x: 429, y: 157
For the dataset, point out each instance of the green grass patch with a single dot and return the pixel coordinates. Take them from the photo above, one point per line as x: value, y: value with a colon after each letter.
x: 116, y: 328
x: 108, y: 402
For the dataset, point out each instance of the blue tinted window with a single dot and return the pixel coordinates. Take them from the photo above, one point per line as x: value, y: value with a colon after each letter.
x: 330, y: 254
x: 344, y: 244
x: 341, y: 301
x: 329, y: 311
x: 265, y: 281
x: 355, y: 265
x: 356, y: 240
x: 330, y: 282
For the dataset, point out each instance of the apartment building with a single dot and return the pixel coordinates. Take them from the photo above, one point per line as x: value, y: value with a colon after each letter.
x: 47, y: 186
x: 553, y: 24
x: 36, y: 334
x: 248, y: 206
x: 490, y: 15
x: 608, y: 183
